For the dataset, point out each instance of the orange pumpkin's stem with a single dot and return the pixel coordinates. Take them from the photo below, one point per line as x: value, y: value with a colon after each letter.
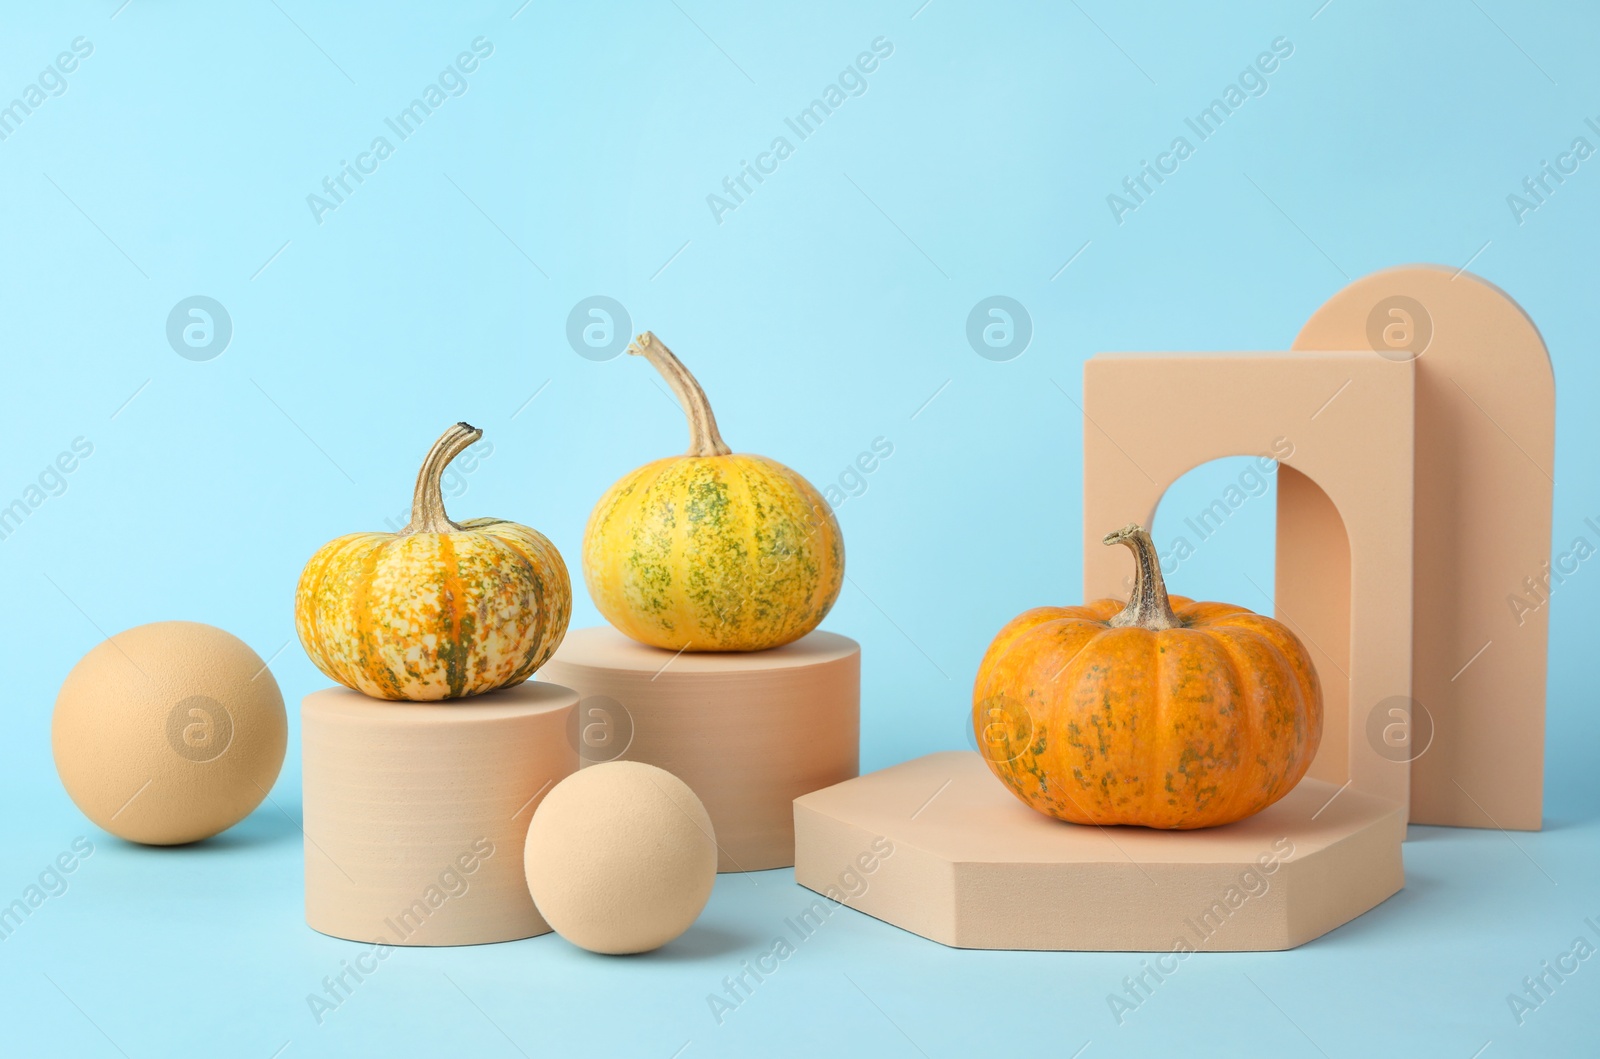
x: 427, y: 502
x: 1148, y: 606
x: 704, y: 439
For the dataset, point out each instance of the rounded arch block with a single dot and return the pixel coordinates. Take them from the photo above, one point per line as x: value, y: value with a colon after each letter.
x: 1485, y: 466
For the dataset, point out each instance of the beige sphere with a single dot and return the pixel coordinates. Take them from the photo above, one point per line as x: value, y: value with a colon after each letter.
x: 620, y: 857
x: 169, y: 732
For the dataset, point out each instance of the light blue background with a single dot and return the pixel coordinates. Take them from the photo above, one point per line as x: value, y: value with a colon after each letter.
x: 821, y: 314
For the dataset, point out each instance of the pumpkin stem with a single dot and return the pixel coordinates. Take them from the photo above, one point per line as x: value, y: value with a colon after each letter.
x: 704, y: 439
x: 427, y: 502
x: 1148, y: 607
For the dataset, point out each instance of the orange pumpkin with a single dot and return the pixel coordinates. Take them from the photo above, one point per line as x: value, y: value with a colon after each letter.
x: 1162, y: 711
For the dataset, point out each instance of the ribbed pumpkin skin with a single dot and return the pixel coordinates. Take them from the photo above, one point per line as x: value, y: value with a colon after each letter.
x: 1180, y: 728
x: 429, y: 616
x: 713, y: 553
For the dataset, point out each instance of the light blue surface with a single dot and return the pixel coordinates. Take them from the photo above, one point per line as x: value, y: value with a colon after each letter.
x: 829, y: 309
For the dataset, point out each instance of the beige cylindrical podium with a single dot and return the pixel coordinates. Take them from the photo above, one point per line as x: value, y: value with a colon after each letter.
x: 749, y: 732
x: 416, y: 813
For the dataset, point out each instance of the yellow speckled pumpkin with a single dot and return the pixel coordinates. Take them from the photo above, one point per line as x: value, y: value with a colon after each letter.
x: 1162, y: 712
x: 437, y: 610
x: 714, y: 550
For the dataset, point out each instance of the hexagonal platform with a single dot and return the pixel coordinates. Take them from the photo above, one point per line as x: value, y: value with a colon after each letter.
x: 939, y: 847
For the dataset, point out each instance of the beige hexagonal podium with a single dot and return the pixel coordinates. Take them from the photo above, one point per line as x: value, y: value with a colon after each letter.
x: 939, y: 847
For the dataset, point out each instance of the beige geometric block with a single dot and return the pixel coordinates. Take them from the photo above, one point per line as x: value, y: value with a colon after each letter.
x: 416, y: 813
x: 939, y: 847
x: 1485, y: 460
x: 748, y: 731
x: 1341, y: 425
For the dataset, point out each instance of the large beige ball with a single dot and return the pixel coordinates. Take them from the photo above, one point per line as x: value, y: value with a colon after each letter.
x: 620, y: 857
x: 169, y: 732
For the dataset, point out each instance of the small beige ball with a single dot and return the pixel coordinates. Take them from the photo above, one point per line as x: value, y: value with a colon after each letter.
x: 620, y: 857
x: 169, y: 732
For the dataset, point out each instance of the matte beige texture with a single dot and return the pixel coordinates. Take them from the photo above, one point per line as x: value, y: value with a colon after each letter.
x: 939, y: 847
x: 169, y: 732
x: 621, y: 857
x: 1485, y: 461
x: 416, y: 813
x: 1341, y: 424
x: 747, y: 731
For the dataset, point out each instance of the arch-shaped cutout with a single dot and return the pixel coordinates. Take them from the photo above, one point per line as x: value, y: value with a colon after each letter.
x: 1214, y: 529
x: 1311, y: 584
x: 1227, y: 527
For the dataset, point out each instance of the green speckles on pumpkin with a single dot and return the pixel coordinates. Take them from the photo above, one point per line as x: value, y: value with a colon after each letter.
x: 455, y: 652
x: 651, y: 581
x: 650, y: 548
x: 1102, y: 733
x: 715, y: 556
x: 707, y: 502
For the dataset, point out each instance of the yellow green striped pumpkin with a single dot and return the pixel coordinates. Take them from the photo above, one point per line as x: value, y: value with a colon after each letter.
x: 713, y: 550
x: 439, y: 610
